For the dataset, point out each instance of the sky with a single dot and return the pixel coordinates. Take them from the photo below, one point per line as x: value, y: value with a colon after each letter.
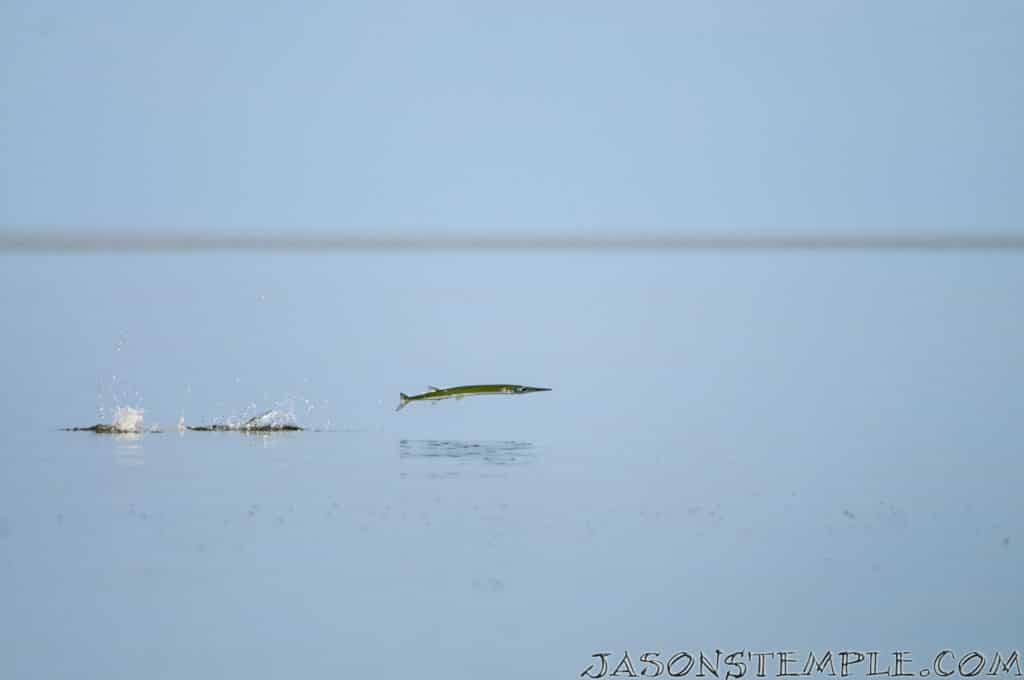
x: 449, y: 117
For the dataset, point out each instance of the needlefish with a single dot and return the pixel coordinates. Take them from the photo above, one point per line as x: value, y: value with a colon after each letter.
x: 436, y: 394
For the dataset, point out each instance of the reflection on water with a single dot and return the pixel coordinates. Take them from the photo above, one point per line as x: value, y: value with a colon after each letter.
x: 128, y: 450
x: 450, y: 458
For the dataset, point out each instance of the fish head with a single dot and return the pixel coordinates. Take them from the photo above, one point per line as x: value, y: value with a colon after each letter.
x: 522, y: 389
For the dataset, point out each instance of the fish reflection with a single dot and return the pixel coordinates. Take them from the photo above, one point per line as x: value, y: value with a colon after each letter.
x: 461, y: 454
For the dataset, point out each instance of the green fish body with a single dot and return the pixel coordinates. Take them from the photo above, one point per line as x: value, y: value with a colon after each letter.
x: 436, y: 394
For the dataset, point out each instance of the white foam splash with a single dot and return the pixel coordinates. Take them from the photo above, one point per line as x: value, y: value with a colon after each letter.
x: 271, y: 418
x: 127, y: 419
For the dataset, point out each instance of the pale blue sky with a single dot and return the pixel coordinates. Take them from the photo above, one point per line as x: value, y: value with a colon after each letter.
x: 593, y: 116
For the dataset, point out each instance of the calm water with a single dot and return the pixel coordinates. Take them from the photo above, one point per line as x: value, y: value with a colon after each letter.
x: 739, y: 452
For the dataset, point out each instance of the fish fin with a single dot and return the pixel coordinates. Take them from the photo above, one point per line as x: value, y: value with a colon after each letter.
x: 433, y: 388
x: 403, y: 399
x: 460, y: 397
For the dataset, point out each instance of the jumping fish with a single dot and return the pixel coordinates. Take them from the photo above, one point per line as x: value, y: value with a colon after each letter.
x: 437, y: 394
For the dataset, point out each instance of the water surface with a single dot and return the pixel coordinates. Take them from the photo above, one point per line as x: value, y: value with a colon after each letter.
x: 743, y: 452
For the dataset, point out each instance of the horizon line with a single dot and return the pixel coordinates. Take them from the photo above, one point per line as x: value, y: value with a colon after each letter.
x: 125, y: 242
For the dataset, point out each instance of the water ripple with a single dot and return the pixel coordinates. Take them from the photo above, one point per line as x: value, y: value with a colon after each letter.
x: 468, y: 452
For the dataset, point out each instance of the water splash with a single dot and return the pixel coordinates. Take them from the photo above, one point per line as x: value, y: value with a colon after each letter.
x: 127, y: 419
x: 273, y: 420
x: 115, y: 395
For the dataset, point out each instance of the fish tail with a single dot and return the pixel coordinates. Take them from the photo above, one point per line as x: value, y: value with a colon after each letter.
x: 403, y: 400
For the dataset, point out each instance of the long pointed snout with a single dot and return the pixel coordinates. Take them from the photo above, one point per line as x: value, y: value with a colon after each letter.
x: 536, y: 389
